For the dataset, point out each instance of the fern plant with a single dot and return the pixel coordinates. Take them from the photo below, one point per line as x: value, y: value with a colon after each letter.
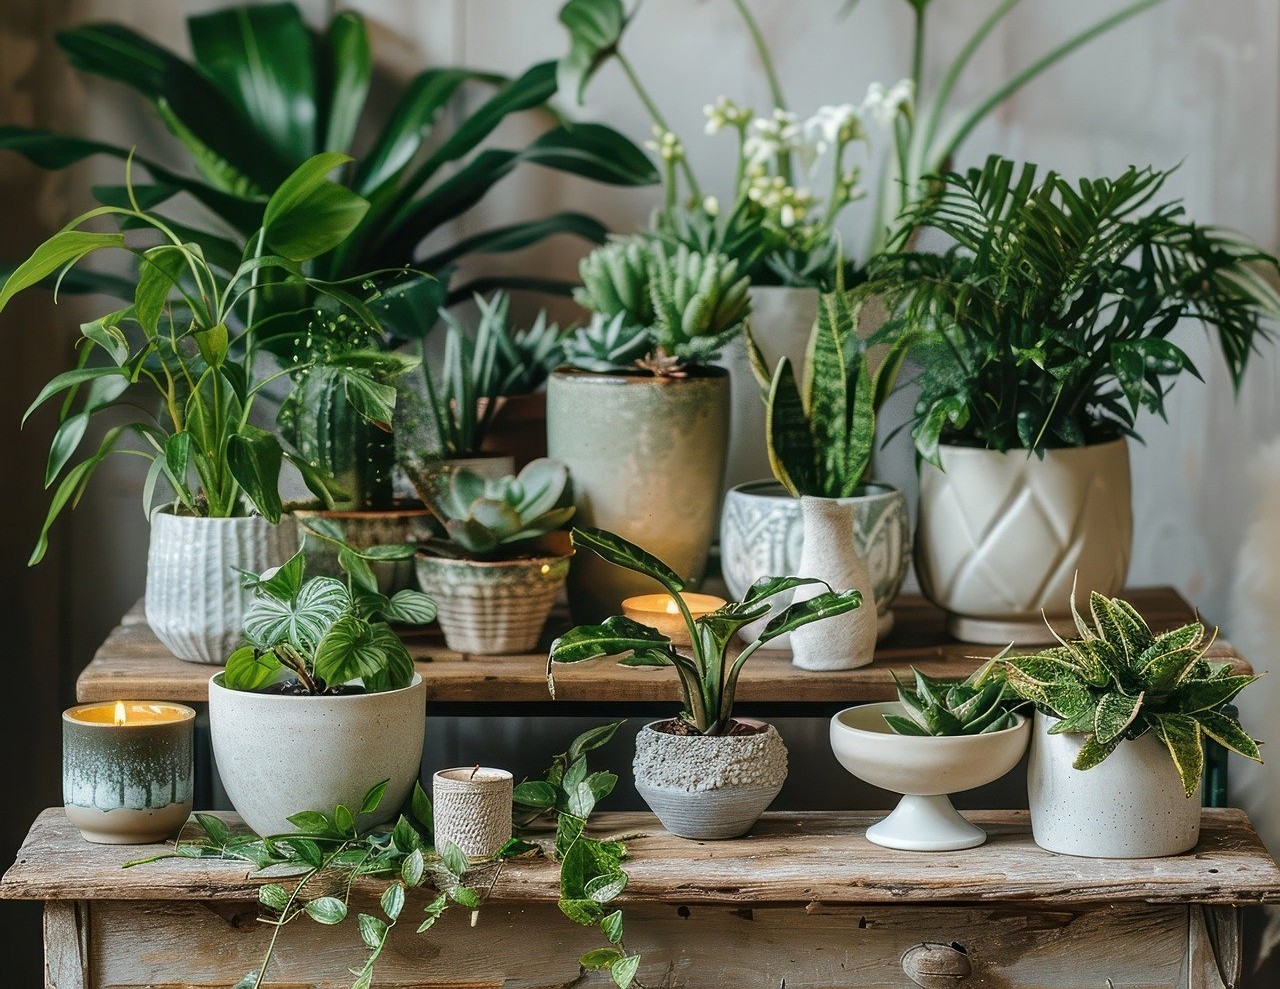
x: 1048, y: 323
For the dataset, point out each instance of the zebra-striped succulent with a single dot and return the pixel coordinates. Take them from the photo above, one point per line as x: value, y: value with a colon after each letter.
x: 976, y: 706
x: 1119, y: 681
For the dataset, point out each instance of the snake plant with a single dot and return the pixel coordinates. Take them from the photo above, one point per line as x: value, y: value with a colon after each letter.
x: 522, y: 357
x: 952, y: 707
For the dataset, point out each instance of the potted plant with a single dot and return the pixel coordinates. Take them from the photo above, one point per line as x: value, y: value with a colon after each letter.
x: 940, y: 737
x: 322, y: 703
x: 204, y: 381
x: 496, y: 570
x: 820, y: 438
x: 1043, y: 332
x: 1122, y: 715
x: 704, y: 773
x: 639, y: 414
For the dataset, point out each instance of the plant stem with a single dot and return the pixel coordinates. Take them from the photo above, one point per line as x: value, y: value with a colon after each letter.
x: 785, y: 163
x: 656, y: 115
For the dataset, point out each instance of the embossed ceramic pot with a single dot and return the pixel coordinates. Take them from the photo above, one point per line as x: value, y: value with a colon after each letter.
x: 407, y: 523
x: 195, y: 603
x: 762, y: 535
x: 1003, y: 536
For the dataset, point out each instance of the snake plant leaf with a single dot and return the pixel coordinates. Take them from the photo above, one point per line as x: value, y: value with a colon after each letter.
x: 825, y: 605
x: 345, y: 67
x: 254, y: 459
x: 1226, y: 731
x: 1114, y: 714
x: 595, y: 28
x: 302, y: 620
x: 623, y: 553
x: 615, y: 636
x: 1207, y: 695
x: 1093, y: 752
x: 308, y: 215
x: 790, y: 442
x: 1181, y: 735
x: 251, y: 669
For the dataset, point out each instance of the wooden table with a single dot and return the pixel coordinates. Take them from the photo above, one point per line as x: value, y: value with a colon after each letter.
x: 805, y: 898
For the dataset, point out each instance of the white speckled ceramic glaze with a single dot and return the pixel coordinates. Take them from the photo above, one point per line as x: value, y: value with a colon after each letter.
x: 278, y: 755
x: 1131, y: 805
x: 472, y: 809
x: 925, y: 770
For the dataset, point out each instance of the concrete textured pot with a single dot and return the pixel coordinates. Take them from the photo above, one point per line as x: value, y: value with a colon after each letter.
x: 647, y: 458
x: 709, y: 787
x: 407, y: 523
x: 1130, y: 805
x: 1003, y: 536
x: 195, y: 603
x: 492, y: 607
x: 924, y: 770
x: 762, y: 535
x: 472, y: 809
x: 277, y: 755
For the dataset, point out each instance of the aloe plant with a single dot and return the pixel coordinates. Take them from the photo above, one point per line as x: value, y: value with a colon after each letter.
x: 708, y: 677
x: 977, y: 705
x: 1119, y: 681
x: 607, y: 343
x: 523, y: 357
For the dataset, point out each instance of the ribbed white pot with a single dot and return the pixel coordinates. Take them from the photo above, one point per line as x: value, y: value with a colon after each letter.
x: 1003, y: 536
x: 195, y: 603
x: 278, y: 755
x: 1131, y: 805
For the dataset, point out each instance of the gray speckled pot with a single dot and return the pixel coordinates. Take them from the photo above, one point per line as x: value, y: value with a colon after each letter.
x: 1131, y: 805
x: 706, y: 787
x: 278, y: 755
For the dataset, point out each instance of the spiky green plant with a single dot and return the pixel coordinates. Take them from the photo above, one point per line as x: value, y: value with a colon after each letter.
x: 607, y: 343
x: 522, y: 357
x: 1119, y: 681
x: 615, y: 279
x: 953, y: 707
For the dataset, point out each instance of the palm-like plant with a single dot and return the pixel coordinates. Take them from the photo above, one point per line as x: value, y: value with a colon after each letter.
x: 1047, y: 324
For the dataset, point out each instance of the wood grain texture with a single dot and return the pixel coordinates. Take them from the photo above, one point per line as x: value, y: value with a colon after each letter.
x: 132, y: 663
x: 66, y: 945
x: 788, y: 858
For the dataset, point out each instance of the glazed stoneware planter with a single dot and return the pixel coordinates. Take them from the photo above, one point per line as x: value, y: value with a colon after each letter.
x: 924, y: 770
x: 709, y: 787
x: 277, y: 755
x: 492, y: 608
x: 647, y: 458
x: 1002, y: 537
x: 1131, y: 805
x: 195, y: 603
x: 407, y: 523
x: 762, y: 534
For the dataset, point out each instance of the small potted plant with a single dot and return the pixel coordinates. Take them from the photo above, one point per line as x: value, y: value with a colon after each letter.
x: 639, y: 414
x: 1122, y: 715
x: 704, y: 773
x: 940, y: 737
x: 322, y: 703
x: 496, y: 570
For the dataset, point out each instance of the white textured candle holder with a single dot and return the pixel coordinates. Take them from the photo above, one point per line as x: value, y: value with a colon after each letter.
x: 473, y: 809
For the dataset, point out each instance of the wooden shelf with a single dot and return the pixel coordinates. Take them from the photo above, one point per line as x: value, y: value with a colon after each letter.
x: 133, y: 664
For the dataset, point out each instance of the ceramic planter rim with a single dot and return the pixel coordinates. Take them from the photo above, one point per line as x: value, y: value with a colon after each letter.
x: 188, y: 714
x: 920, y: 741
x: 493, y: 775
x: 527, y: 562
x: 187, y: 517
x: 959, y: 450
x: 344, y: 698
x: 651, y: 726
x: 698, y: 372
x: 756, y: 489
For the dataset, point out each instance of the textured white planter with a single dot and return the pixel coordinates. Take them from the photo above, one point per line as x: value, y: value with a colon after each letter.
x: 277, y: 755
x: 472, y: 809
x: 492, y: 607
x: 1131, y: 805
x: 1002, y: 536
x: 707, y: 787
x: 194, y: 600
x: 762, y: 535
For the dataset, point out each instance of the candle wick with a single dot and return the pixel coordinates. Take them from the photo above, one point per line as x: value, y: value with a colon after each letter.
x: 474, y: 771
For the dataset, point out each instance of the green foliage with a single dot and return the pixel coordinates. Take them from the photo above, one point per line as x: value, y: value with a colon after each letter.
x: 1119, y: 681
x: 607, y: 343
x: 1047, y: 324
x: 708, y: 678
x: 975, y: 706
x: 522, y: 358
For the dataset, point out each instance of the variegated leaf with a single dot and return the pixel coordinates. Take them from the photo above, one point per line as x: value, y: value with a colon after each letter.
x: 302, y: 621
x: 1093, y: 752
x: 1181, y: 735
x: 1115, y: 712
x: 1227, y: 731
x: 1207, y: 695
x: 1165, y: 670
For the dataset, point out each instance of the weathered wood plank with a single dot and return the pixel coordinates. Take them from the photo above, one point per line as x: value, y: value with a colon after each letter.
x: 66, y: 945
x: 789, y: 858
x: 132, y: 663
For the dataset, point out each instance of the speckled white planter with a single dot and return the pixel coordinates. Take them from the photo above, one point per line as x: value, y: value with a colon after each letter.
x: 195, y: 603
x: 278, y: 755
x: 706, y: 787
x: 1131, y: 805
x: 472, y: 809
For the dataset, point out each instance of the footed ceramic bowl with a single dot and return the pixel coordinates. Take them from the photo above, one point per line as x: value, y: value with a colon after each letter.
x: 924, y: 770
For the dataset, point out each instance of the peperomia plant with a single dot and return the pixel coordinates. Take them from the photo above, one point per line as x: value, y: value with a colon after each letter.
x: 977, y: 705
x: 1119, y: 681
x: 709, y: 677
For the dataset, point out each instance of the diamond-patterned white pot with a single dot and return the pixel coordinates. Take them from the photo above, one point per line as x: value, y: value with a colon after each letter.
x: 1002, y: 536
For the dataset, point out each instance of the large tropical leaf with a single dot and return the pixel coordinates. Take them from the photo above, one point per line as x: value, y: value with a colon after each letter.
x: 593, y: 151
x: 615, y: 636
x: 622, y: 553
x: 308, y: 215
x: 301, y: 621
x: 595, y: 28
x: 345, y: 67
x: 826, y: 605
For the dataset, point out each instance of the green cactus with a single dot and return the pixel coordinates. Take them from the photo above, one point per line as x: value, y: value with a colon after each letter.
x: 615, y: 279
x: 607, y: 343
x: 699, y: 302
x: 953, y: 707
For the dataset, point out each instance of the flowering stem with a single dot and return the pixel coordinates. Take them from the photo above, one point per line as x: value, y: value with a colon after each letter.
x: 656, y: 115
x: 771, y: 74
x: 917, y: 54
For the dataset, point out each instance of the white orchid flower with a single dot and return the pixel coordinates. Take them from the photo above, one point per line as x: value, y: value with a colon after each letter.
x: 885, y: 104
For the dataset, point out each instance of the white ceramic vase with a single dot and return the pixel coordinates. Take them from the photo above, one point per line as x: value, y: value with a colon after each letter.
x: 195, y: 603
x: 278, y: 755
x: 1002, y: 537
x: 831, y: 554
x: 1130, y: 805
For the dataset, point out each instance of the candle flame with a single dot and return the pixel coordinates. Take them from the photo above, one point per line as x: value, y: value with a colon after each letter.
x: 120, y: 713
x: 672, y: 607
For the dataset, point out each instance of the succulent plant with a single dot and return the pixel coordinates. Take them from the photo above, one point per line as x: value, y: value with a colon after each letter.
x: 615, y: 279
x: 522, y: 358
x: 1119, y: 681
x: 607, y: 343
x: 484, y: 517
x: 953, y: 707
x: 699, y: 302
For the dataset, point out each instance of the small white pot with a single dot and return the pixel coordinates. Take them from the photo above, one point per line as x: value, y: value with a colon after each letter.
x: 472, y: 809
x: 278, y: 755
x: 1131, y: 805
x: 709, y: 787
x: 195, y: 603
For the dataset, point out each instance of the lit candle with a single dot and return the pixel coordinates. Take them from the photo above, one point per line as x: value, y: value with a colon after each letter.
x: 660, y: 611
x: 127, y: 770
x: 471, y: 807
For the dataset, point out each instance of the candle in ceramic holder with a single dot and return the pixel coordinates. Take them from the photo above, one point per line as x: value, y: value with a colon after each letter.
x: 660, y: 611
x: 127, y: 770
x: 472, y: 809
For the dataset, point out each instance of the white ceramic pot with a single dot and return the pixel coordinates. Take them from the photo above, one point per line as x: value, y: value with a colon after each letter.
x: 708, y: 787
x: 1130, y: 805
x: 278, y: 755
x: 1003, y: 536
x: 410, y: 523
x: 195, y: 603
x: 762, y: 535
x: 925, y: 770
